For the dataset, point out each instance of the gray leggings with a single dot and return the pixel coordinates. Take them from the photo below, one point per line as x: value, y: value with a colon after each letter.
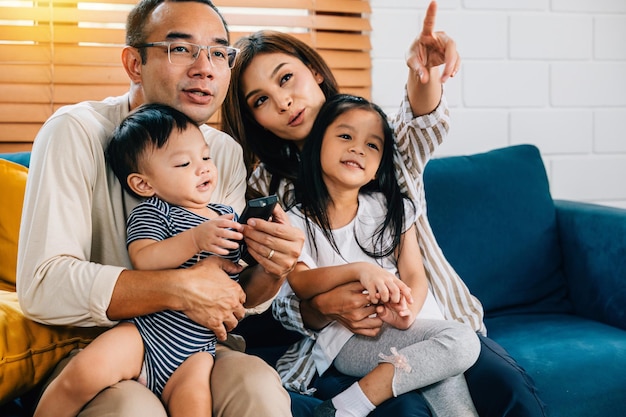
x: 437, y: 353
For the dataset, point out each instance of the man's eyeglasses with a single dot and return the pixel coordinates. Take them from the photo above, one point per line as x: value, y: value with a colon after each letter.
x: 185, y: 53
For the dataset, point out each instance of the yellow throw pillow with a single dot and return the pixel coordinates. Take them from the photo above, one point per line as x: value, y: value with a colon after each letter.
x: 29, y: 351
x: 12, y: 185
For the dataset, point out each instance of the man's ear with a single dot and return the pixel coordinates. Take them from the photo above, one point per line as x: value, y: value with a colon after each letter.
x: 131, y: 60
x: 140, y: 185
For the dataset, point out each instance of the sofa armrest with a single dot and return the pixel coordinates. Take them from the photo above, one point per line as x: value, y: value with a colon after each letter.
x: 593, y: 241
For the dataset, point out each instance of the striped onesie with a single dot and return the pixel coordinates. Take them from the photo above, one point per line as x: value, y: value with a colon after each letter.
x: 170, y: 337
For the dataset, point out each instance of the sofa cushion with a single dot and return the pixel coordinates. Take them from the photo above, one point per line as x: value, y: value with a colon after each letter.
x: 495, y: 220
x: 12, y: 187
x: 577, y: 364
x: 29, y: 351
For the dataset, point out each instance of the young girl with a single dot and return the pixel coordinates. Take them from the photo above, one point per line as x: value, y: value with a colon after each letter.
x: 359, y: 227
x: 160, y: 154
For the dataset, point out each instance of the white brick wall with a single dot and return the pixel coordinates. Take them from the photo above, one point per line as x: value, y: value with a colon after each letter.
x: 547, y: 72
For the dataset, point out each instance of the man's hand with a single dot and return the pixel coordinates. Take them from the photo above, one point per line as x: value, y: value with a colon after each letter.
x: 211, y: 298
x: 431, y: 49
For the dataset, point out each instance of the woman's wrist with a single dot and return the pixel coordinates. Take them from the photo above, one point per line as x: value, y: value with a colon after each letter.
x: 311, y: 313
x: 424, y: 97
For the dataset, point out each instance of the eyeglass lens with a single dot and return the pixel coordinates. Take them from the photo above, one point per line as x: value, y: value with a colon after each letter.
x: 184, y: 53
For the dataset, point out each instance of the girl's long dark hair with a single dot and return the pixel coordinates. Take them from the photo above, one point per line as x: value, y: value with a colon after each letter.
x: 311, y: 192
x: 281, y: 157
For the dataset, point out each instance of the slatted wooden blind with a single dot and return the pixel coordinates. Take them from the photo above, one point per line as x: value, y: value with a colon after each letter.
x: 58, y: 52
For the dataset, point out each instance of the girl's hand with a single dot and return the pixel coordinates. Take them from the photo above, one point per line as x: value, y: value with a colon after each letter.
x: 397, y: 315
x: 381, y: 285
x: 431, y: 49
x: 217, y: 235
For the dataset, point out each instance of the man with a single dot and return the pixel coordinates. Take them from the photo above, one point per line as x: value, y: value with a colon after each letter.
x: 73, y: 267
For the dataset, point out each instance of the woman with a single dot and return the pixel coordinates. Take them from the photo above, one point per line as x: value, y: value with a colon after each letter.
x: 277, y: 87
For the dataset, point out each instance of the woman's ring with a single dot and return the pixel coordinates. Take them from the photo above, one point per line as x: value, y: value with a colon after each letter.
x: 269, y: 255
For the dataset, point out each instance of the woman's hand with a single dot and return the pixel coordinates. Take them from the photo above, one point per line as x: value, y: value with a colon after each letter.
x: 432, y: 49
x: 275, y: 244
x: 349, y: 305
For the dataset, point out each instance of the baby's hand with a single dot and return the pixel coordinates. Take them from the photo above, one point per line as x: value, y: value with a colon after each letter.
x: 218, y: 235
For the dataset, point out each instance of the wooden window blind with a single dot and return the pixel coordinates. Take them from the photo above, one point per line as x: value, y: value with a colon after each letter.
x: 58, y: 52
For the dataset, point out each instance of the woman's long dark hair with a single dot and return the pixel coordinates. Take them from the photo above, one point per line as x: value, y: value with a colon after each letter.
x: 312, y: 194
x: 281, y: 157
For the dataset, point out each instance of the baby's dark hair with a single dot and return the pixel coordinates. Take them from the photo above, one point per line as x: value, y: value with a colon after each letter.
x: 146, y: 128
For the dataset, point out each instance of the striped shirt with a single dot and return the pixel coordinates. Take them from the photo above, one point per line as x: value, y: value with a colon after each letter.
x: 170, y: 337
x: 416, y: 140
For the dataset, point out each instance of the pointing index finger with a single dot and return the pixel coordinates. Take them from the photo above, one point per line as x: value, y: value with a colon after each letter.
x: 429, y: 20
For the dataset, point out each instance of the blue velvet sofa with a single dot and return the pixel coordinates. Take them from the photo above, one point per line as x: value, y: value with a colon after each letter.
x: 551, y: 276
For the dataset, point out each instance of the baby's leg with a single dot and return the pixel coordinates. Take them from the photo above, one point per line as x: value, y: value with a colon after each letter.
x: 188, y: 391
x: 116, y: 355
